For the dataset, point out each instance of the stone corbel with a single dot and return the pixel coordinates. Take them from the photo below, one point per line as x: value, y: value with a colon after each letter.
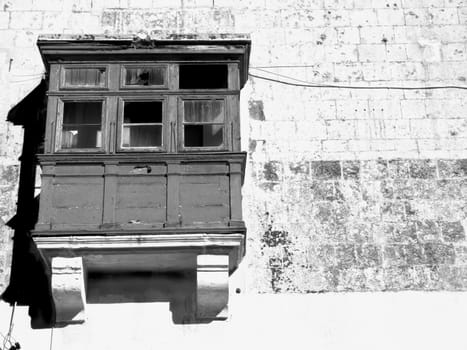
x: 212, y: 292
x: 68, y: 290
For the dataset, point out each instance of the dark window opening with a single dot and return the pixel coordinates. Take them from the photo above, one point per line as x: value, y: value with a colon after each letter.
x: 142, y: 124
x: 200, y: 76
x: 203, y: 135
x: 82, y: 125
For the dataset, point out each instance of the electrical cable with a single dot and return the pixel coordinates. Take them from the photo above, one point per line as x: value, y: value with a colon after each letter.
x: 282, y: 76
x: 51, y: 337
x: 10, y: 329
x: 11, y: 337
x: 285, y: 66
x: 24, y: 80
x: 28, y: 75
x: 5, y: 341
x: 356, y: 87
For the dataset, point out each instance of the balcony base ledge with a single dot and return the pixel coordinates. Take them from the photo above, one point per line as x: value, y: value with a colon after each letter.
x: 134, y: 253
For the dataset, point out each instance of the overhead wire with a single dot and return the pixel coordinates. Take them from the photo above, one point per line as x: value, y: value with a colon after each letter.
x: 303, y: 83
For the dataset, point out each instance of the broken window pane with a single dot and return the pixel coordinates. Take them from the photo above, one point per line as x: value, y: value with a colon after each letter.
x: 145, y: 76
x: 203, y: 76
x: 82, y: 125
x: 142, y: 124
x: 203, y: 123
x: 85, y: 77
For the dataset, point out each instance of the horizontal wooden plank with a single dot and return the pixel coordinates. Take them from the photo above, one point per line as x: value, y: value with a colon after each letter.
x: 74, y: 216
x: 141, y: 196
x: 204, y: 214
x: 149, y: 169
x: 219, y: 180
x: 205, y: 168
x: 97, y: 170
x: 78, y: 181
x: 77, y: 196
x: 203, y: 194
x: 140, y: 215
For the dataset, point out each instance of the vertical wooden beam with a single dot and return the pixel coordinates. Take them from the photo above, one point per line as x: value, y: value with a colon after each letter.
x: 235, y: 191
x: 46, y: 206
x: 112, y: 125
x: 234, y: 77
x: 172, y: 110
x: 173, y: 194
x: 50, y: 130
x: 113, y: 76
x: 110, y: 193
x: 233, y: 117
x: 173, y: 76
x: 171, y: 133
x: 55, y: 76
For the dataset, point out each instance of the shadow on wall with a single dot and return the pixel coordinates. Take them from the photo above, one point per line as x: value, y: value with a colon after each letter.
x: 30, y: 277
x: 179, y: 289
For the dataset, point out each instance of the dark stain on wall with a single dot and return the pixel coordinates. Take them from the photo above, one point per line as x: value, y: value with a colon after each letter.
x: 252, y: 146
x: 452, y: 231
x: 276, y: 244
x: 271, y: 171
x: 256, y: 109
x: 274, y: 238
x: 326, y: 170
x: 299, y: 168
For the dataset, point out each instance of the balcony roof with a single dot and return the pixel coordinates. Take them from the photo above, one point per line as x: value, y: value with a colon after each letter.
x: 157, y: 46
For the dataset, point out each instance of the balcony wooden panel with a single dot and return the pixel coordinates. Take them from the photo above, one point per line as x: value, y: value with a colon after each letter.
x: 141, y: 201
x: 204, y: 199
x: 134, y: 195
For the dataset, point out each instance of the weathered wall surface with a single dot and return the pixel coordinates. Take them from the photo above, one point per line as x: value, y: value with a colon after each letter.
x: 346, y: 189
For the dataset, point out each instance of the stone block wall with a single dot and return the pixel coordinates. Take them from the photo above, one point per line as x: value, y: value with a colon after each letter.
x: 362, y: 225
x: 346, y: 189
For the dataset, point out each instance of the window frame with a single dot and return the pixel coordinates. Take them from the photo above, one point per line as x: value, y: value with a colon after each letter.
x: 59, y: 124
x: 62, y: 76
x: 123, y: 86
x: 181, y: 123
x: 119, y: 125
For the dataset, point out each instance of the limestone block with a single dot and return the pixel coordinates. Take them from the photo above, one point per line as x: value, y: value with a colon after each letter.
x: 68, y: 290
x: 372, y: 53
x: 390, y: 16
x: 26, y: 20
x: 363, y: 17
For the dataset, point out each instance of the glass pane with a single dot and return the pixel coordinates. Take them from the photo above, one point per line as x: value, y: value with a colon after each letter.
x: 204, y: 111
x: 142, y: 136
x: 203, y: 135
x: 143, y: 112
x: 85, y: 77
x: 144, y: 76
x: 82, y: 125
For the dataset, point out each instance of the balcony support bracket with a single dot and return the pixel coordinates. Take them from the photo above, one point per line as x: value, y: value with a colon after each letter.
x: 68, y: 290
x: 212, y: 293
